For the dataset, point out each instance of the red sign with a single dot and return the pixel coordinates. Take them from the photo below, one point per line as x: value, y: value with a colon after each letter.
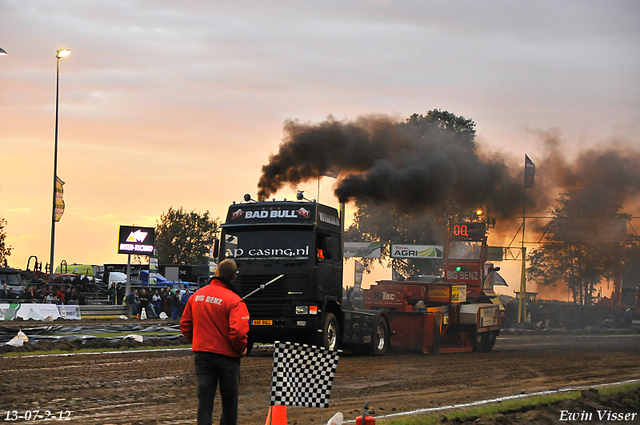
x: 468, y: 273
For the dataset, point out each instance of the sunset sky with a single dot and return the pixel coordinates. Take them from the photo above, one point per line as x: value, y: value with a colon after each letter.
x: 179, y: 104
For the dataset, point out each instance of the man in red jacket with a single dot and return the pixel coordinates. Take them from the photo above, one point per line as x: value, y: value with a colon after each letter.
x: 216, y: 321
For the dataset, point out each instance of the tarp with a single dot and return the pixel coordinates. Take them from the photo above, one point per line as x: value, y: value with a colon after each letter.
x: 72, y: 332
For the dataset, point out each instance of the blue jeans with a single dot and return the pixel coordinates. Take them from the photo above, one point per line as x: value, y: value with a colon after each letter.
x: 212, y: 368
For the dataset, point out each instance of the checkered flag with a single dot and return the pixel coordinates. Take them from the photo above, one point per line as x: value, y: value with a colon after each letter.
x: 302, y: 375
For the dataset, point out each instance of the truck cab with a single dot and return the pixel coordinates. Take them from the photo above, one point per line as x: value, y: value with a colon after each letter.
x: 11, y: 277
x: 303, y: 242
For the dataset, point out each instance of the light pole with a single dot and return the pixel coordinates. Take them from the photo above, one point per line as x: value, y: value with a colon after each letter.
x: 62, y: 53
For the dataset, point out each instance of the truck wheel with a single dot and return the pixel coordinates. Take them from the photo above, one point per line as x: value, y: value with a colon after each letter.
x: 380, y: 337
x: 249, y: 344
x: 329, y: 336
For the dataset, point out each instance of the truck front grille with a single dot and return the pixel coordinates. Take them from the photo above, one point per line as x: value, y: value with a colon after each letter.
x: 273, y: 300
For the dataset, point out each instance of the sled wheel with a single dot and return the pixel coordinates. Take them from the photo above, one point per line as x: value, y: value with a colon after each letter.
x: 479, y: 341
x: 380, y: 337
x: 490, y: 340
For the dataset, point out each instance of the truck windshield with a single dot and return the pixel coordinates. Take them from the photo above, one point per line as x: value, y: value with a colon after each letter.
x: 270, y: 245
x: 465, y: 250
x: 10, y: 279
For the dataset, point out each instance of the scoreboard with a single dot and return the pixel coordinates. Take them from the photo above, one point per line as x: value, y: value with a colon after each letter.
x: 467, y: 231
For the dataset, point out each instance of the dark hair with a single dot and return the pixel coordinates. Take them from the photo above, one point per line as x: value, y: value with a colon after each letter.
x: 227, y: 270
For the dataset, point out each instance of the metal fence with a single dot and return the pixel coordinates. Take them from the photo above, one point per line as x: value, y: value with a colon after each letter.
x: 106, y: 311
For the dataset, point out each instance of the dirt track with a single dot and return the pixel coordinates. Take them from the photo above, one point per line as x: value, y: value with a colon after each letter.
x: 159, y: 387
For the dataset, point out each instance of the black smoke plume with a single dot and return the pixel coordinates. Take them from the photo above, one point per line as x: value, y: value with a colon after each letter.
x: 423, y: 166
x: 415, y: 167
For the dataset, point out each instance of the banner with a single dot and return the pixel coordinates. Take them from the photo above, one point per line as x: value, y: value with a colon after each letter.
x: 8, y: 311
x: 302, y: 375
x: 59, y: 201
x: 153, y: 268
x: 362, y: 249
x: 416, y: 251
x: 37, y: 311
x: 70, y: 311
x: 358, y: 272
x: 529, y: 172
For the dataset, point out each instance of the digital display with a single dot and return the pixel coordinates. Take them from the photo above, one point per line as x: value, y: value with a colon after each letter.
x: 472, y: 231
x: 136, y: 240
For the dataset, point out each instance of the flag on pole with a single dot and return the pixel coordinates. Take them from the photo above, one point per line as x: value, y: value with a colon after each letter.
x: 59, y: 200
x: 357, y: 274
x: 529, y: 172
x: 395, y: 275
x: 302, y: 375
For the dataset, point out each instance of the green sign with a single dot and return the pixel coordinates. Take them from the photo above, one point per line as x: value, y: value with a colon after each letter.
x: 495, y: 253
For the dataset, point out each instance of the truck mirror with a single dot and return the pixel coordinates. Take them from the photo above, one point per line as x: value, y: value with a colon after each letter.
x: 216, y: 248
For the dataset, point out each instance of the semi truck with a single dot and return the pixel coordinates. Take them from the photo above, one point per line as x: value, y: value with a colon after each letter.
x: 298, y: 246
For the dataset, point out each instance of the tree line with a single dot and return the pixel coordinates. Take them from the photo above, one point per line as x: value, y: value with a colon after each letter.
x: 185, y: 237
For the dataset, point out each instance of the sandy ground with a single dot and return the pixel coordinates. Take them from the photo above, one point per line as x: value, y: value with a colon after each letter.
x: 159, y: 387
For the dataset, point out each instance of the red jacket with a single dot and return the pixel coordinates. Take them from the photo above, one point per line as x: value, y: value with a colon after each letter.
x: 216, y: 320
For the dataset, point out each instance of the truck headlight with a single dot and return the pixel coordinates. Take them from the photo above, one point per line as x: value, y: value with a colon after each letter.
x: 302, y: 309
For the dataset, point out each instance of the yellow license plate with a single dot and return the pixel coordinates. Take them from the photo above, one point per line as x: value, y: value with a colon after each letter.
x: 262, y: 322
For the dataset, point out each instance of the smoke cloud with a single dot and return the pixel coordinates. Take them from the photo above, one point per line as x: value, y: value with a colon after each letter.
x: 426, y: 168
x: 412, y: 167
x: 599, y: 179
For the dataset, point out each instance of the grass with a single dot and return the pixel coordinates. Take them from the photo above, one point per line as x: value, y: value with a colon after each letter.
x: 495, y: 408
x: 620, y: 389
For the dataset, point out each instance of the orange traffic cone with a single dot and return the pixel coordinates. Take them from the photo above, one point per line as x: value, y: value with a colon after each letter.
x: 277, y: 415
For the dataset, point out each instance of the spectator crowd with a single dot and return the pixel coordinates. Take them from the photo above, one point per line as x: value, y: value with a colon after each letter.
x: 153, y: 301
x: 61, y: 291
x: 73, y: 291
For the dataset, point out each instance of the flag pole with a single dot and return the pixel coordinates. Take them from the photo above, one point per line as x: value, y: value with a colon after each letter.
x: 522, y: 306
x: 529, y: 178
